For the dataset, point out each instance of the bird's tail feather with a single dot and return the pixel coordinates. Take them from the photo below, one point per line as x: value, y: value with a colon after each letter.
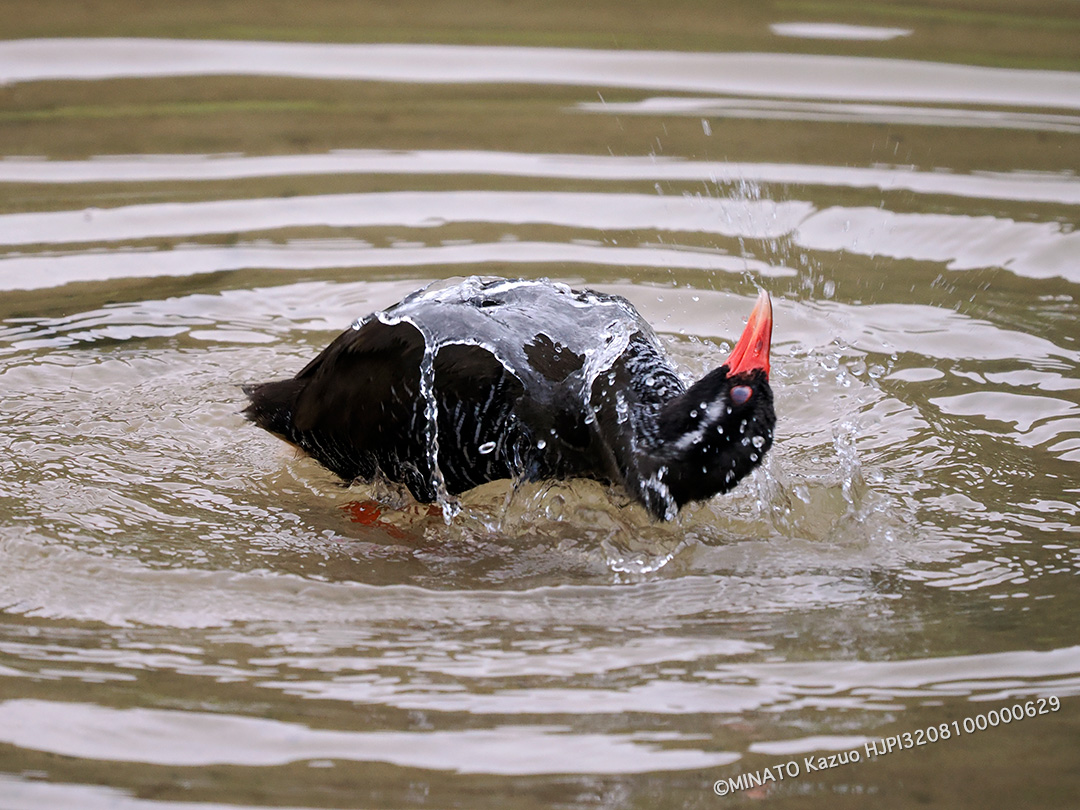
x: 273, y: 404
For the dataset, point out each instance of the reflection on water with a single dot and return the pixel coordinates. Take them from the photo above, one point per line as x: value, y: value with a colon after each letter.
x: 769, y: 75
x: 76, y: 730
x: 838, y: 31
x: 762, y: 219
x: 839, y: 112
x: 190, y: 613
x: 1035, y: 250
x: 25, y: 273
x: 1017, y: 186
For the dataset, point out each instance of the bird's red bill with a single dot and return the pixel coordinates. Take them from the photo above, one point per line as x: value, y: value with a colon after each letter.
x: 752, y: 350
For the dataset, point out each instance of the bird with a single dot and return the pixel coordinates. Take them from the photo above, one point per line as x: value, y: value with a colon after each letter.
x: 486, y: 379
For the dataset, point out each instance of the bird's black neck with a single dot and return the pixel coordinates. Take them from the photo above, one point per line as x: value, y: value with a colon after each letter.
x: 673, y: 445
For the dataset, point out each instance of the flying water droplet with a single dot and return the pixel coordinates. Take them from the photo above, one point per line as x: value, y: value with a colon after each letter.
x: 486, y: 448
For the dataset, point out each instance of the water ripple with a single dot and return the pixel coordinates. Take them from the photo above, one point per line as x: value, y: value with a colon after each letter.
x: 196, y: 738
x: 839, y: 112
x: 1016, y: 185
x: 762, y: 219
x: 42, y: 272
x: 743, y: 74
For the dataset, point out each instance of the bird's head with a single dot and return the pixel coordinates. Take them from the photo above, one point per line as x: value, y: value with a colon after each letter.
x: 717, y: 432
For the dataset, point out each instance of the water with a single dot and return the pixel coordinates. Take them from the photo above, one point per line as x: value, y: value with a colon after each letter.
x: 192, y: 616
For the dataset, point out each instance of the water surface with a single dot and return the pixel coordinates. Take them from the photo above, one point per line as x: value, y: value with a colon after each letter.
x: 193, y: 616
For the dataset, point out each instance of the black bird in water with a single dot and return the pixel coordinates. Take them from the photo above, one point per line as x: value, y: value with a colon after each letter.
x: 489, y: 379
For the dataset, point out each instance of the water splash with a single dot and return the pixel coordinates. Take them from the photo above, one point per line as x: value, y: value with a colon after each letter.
x: 847, y: 454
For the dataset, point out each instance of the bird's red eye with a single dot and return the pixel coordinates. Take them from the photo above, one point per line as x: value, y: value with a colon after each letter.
x: 740, y: 394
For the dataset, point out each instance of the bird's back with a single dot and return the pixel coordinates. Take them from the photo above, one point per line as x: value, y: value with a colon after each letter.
x: 459, y: 385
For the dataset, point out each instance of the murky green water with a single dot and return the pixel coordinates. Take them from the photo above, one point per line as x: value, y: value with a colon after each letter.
x: 189, y: 614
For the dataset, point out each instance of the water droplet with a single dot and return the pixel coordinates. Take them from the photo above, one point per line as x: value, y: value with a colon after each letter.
x: 540, y: 445
x: 705, y: 126
x: 758, y: 441
x: 486, y: 448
